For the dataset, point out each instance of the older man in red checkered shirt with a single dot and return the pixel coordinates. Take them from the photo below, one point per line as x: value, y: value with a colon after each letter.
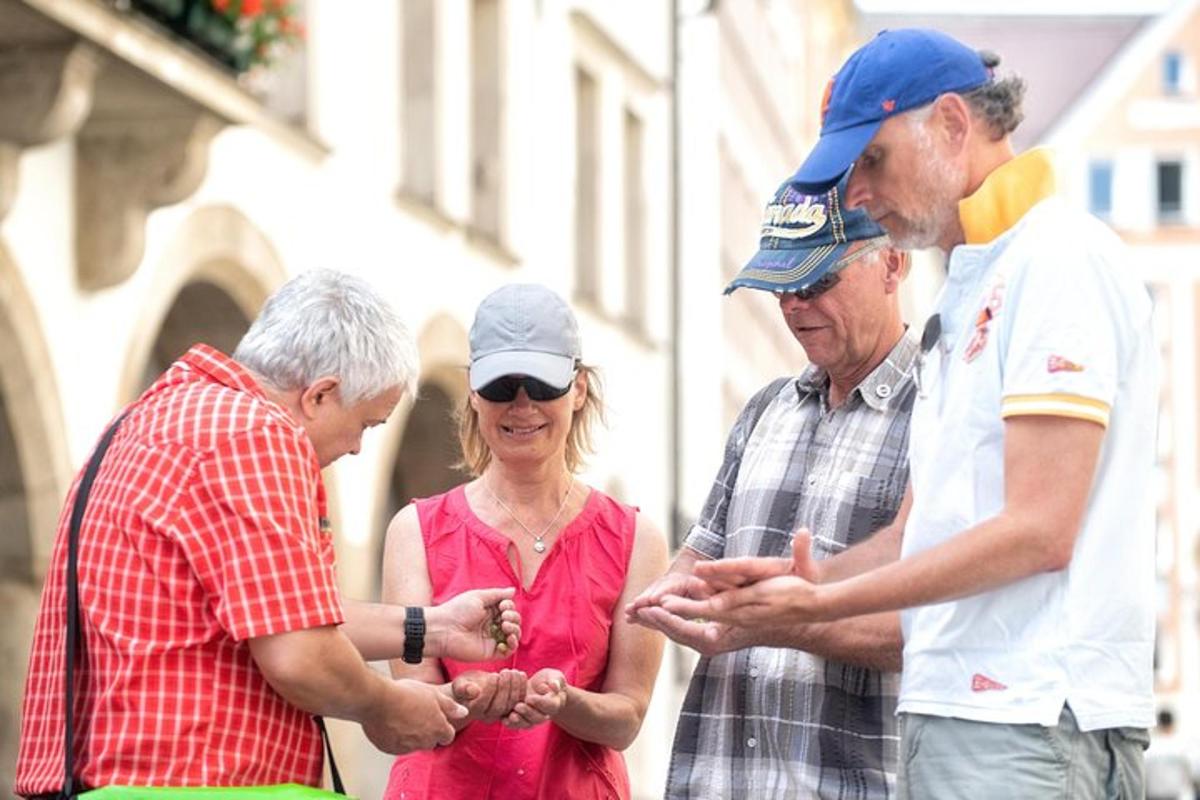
x: 211, y: 621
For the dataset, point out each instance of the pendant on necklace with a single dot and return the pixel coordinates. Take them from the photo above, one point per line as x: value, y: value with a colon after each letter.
x: 538, y: 545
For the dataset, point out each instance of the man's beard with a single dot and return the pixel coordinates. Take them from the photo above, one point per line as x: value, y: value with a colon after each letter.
x: 940, y: 184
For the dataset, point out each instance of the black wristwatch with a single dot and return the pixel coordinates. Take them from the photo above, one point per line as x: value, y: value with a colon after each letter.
x: 414, y: 635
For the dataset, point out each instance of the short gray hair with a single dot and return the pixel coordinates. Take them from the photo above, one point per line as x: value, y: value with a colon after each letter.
x: 328, y: 323
x: 998, y: 102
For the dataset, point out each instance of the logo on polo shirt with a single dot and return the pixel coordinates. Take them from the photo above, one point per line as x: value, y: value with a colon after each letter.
x: 1060, y: 364
x: 982, y: 322
x: 982, y: 683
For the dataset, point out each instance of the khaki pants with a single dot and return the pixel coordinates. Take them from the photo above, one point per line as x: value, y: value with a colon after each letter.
x: 943, y: 758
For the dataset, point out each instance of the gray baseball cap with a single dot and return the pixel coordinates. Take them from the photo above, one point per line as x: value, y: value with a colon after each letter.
x: 524, y: 329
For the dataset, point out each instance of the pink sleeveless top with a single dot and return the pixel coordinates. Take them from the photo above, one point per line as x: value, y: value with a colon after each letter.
x: 566, y: 616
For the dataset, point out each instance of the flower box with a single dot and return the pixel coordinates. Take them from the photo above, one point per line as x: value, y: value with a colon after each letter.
x: 239, y: 34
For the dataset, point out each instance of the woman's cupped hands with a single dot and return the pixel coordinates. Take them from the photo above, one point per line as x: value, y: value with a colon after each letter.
x: 510, y: 697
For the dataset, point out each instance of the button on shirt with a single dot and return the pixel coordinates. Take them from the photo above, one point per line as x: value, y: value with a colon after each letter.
x: 1046, y: 319
x: 773, y: 722
x: 202, y: 531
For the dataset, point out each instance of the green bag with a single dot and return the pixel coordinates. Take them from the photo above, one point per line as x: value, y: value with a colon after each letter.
x: 282, y: 791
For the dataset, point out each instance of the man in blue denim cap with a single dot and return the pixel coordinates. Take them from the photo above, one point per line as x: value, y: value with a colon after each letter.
x: 803, y: 711
x: 1027, y: 576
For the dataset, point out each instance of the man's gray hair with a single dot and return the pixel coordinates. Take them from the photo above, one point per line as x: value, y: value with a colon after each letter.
x: 327, y: 323
x: 998, y: 102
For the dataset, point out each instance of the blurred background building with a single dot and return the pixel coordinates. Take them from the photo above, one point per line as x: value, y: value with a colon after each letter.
x: 153, y: 192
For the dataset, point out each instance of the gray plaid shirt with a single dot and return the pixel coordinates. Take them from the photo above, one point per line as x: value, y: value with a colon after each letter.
x: 770, y: 722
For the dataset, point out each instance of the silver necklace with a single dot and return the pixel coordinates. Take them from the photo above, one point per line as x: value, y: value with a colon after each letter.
x: 539, y: 539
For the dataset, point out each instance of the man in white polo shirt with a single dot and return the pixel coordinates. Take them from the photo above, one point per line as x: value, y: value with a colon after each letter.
x: 1027, y: 569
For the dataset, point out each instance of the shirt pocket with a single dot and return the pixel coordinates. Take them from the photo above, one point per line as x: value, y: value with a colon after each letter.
x: 857, y: 507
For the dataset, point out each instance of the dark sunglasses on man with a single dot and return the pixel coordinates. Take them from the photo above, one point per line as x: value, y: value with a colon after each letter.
x: 831, y: 278
x: 504, y: 389
x: 827, y: 282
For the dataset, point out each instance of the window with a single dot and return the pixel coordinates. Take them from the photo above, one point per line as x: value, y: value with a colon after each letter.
x: 487, y: 118
x: 1172, y: 73
x: 1170, y: 191
x: 587, y: 188
x: 1100, y: 177
x: 635, y: 225
x: 618, y: 130
x: 418, y: 125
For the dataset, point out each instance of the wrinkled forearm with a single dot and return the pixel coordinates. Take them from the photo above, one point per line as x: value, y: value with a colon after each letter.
x: 873, y: 641
x: 608, y: 718
x: 376, y: 629
x: 994, y: 553
x: 315, y: 669
x: 881, y: 548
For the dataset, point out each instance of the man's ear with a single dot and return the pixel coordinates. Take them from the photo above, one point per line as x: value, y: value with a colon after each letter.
x: 953, y: 118
x: 896, y: 264
x: 319, y: 393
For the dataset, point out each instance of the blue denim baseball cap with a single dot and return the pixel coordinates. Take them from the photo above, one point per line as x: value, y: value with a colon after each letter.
x: 897, y: 71
x: 804, y: 237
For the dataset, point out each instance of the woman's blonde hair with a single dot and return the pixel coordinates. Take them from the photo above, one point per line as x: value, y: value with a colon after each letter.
x: 476, y: 455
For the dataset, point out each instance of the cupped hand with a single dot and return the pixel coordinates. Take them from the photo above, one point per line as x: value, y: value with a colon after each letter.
x: 768, y: 603
x: 680, y: 584
x: 706, y: 638
x: 477, y: 625
x: 489, y: 696
x: 545, y: 697
x: 730, y: 573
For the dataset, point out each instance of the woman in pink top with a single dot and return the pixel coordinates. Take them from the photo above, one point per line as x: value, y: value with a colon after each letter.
x: 549, y: 720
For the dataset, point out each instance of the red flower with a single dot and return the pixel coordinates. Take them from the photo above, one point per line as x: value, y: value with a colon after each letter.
x: 221, y: 5
x: 252, y: 8
x: 290, y: 27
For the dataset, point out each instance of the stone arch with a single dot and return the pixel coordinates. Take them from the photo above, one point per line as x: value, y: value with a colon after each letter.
x: 208, y: 285
x: 34, y: 459
x: 416, y: 450
x: 34, y: 473
x: 425, y: 443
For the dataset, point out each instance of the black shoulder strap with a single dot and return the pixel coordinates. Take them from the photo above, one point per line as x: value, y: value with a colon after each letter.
x: 763, y: 399
x: 70, y: 784
x: 334, y: 775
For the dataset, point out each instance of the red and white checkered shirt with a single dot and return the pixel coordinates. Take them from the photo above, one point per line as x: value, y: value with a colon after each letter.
x: 204, y: 529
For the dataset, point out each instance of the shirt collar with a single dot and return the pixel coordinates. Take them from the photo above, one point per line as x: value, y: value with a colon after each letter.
x: 1011, y: 190
x: 222, y: 369
x: 881, y: 384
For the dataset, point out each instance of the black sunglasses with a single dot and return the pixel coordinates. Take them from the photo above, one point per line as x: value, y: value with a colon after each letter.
x: 931, y: 334
x: 504, y: 389
x: 814, y: 291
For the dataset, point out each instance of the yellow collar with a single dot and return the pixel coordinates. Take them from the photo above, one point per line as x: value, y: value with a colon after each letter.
x: 1011, y: 190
